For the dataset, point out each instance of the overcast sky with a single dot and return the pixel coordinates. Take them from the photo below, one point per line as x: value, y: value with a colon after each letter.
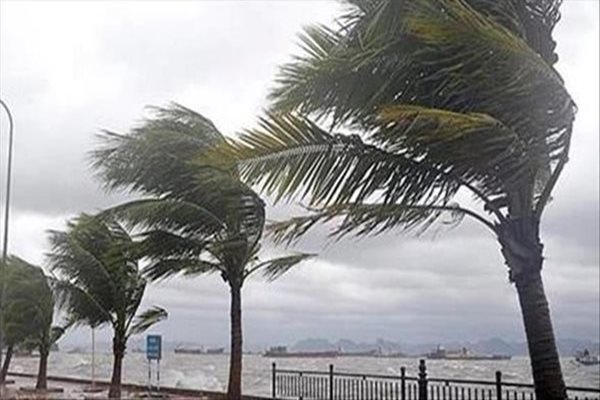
x: 69, y: 69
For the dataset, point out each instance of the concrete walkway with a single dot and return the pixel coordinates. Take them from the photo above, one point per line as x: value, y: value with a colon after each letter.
x: 76, y: 388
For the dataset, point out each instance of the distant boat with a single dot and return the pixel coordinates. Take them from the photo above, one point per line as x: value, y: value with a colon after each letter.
x: 183, y: 350
x: 281, y: 351
x: 219, y: 350
x: 378, y: 353
x: 585, y: 358
x: 464, y: 354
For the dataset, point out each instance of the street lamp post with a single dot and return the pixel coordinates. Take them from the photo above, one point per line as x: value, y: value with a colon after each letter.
x: 6, y: 215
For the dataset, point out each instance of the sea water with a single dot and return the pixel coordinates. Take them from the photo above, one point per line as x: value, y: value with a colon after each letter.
x: 209, y: 372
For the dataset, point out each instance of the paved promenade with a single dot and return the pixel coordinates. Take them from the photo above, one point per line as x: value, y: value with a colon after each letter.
x: 75, y: 388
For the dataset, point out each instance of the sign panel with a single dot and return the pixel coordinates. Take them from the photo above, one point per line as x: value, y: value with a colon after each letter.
x: 153, y: 347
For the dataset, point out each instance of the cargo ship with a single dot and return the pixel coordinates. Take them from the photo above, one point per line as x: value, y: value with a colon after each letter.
x: 183, y: 350
x: 463, y: 354
x: 219, y: 350
x: 282, y: 351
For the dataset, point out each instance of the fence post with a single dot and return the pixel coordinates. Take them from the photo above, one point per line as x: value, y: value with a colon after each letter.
x: 499, y: 385
x: 403, y: 383
x: 422, y: 380
x: 330, y: 381
x: 274, y: 381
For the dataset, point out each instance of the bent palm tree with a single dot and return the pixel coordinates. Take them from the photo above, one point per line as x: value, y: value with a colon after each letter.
x: 195, y: 220
x: 447, y: 95
x: 20, y: 312
x: 16, y: 328
x: 99, y: 283
x: 31, y: 310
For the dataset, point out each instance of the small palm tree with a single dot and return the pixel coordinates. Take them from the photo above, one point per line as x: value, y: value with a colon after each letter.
x: 29, y: 312
x: 194, y: 220
x: 440, y: 96
x: 19, y: 311
x: 99, y: 283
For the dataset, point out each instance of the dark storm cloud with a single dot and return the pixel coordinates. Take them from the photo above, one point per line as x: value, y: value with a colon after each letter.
x: 105, y: 62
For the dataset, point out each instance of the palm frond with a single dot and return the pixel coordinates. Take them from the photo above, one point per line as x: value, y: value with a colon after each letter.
x: 154, y: 158
x: 276, y: 267
x: 81, y: 306
x: 96, y: 255
x: 539, y: 17
x: 292, y: 156
x: 157, y: 244
x: 192, y: 212
x: 170, y: 214
x: 469, y: 144
x: 531, y: 20
x: 370, y: 219
x: 56, y: 332
x: 73, y: 262
x: 166, y: 267
x: 440, y: 55
x: 146, y: 319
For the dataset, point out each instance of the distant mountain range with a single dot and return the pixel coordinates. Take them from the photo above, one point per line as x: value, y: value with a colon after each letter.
x: 566, y: 347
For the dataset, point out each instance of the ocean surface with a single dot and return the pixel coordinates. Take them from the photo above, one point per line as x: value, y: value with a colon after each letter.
x: 209, y: 372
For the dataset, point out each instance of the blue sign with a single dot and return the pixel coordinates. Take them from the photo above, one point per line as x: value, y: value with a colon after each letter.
x: 153, y: 347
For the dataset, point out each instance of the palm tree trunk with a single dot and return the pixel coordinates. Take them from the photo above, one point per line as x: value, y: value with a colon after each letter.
x: 42, y: 378
x: 6, y: 364
x: 234, y: 390
x: 118, y: 354
x: 544, y: 358
x: 522, y: 250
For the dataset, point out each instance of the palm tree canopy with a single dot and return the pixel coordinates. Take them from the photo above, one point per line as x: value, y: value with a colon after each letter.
x: 194, y: 219
x: 29, y: 303
x: 99, y: 281
x: 445, y: 94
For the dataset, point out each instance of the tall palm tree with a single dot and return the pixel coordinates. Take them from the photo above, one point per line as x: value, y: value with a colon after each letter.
x: 99, y: 283
x: 193, y: 220
x: 423, y: 99
x: 30, y: 311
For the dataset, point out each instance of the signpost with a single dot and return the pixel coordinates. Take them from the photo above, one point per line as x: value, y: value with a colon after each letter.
x: 154, y: 353
x: 153, y: 347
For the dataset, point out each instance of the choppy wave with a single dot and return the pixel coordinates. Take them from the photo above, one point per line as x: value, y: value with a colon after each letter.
x: 209, y: 372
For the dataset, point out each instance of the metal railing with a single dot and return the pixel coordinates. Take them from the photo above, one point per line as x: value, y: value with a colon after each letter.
x: 333, y: 385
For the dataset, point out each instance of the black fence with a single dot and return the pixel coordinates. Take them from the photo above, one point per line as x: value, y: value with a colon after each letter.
x: 333, y: 385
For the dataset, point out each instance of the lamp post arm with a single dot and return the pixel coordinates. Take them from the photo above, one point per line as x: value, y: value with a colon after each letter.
x: 8, y: 180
